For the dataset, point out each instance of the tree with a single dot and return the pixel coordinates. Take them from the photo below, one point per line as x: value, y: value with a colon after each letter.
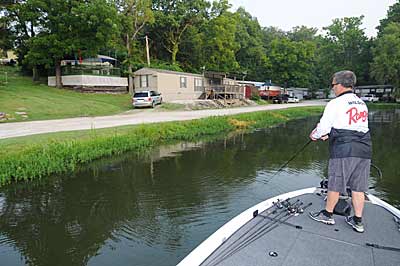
x: 272, y: 33
x: 191, y: 53
x: 66, y: 27
x: 344, y: 46
x: 385, y: 67
x: 393, y: 15
x: 134, y: 15
x: 302, y: 33
x: 23, y: 21
x: 251, y: 55
x: 220, y: 46
x: 173, y: 19
x: 291, y: 62
x: 6, y: 35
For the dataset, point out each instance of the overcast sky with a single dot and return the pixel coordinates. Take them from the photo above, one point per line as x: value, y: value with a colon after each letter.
x: 286, y: 14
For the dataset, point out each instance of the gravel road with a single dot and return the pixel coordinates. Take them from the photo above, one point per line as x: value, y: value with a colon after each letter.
x: 143, y: 116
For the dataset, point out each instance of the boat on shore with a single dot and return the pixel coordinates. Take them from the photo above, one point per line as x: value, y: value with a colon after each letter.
x: 279, y: 231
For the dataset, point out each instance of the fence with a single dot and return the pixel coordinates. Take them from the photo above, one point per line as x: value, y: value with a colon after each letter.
x: 90, y: 70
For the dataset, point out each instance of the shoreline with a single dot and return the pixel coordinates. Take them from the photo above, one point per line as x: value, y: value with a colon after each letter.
x: 144, y: 116
x: 37, y: 156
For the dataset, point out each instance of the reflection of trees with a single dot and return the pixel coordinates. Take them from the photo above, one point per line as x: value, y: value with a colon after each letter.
x: 66, y: 221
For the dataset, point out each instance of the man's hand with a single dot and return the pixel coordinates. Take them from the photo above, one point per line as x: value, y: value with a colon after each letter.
x: 325, y: 137
x: 311, y: 135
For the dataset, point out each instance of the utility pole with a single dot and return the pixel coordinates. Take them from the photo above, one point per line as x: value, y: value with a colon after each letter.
x: 147, y: 51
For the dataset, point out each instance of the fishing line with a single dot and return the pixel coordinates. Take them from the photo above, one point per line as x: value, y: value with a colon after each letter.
x: 265, y: 181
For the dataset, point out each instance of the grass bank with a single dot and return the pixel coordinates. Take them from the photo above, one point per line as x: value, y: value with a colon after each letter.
x: 383, y: 106
x: 24, y: 100
x: 32, y: 157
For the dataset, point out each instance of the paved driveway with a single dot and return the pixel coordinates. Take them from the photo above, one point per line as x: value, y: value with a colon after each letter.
x: 9, y: 130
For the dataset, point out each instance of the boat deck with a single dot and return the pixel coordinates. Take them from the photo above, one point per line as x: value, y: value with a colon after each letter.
x: 275, y: 237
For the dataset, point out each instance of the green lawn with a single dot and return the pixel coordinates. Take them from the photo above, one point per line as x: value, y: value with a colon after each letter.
x: 41, y: 102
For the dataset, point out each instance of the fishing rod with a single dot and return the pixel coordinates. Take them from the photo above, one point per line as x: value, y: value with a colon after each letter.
x: 248, y: 233
x: 379, y: 173
x: 278, y: 219
x: 294, y: 156
x: 285, y: 164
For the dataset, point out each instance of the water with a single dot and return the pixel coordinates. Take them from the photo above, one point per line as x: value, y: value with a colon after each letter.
x: 154, y: 209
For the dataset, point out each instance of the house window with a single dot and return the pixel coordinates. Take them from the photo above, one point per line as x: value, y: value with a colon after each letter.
x: 144, y: 81
x: 198, y: 84
x: 183, y: 82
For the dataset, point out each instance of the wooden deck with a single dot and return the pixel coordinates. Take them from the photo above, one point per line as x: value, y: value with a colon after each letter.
x: 224, y: 92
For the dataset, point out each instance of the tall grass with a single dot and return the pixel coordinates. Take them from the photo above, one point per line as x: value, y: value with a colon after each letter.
x: 62, y: 155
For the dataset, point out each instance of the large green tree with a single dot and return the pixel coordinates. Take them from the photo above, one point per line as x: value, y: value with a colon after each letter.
x: 220, y: 46
x: 66, y: 27
x: 291, y: 62
x: 302, y: 33
x: 23, y: 19
x: 6, y: 33
x: 172, y: 20
x: 393, y: 15
x: 251, y: 55
x: 212, y: 44
x: 134, y: 15
x: 385, y: 67
x: 344, y: 46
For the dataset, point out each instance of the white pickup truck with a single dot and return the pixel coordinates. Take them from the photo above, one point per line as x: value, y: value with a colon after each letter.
x: 370, y: 98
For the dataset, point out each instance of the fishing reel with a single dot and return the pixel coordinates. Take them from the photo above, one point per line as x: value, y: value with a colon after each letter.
x: 292, y: 208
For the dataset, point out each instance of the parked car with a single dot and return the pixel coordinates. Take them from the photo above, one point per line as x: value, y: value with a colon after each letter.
x: 370, y: 98
x: 146, y: 98
x: 282, y: 98
x: 293, y: 99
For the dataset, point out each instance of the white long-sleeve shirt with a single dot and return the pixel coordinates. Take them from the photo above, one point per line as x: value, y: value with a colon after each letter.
x: 347, y: 111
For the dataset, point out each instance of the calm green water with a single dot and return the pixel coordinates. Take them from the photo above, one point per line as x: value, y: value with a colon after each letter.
x: 154, y: 209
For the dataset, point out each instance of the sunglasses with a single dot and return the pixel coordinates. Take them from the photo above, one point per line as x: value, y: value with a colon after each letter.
x: 334, y: 84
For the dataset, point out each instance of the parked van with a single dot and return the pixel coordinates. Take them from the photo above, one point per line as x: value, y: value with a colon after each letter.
x: 146, y: 98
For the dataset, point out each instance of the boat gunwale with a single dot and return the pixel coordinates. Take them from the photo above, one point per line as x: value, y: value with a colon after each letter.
x: 199, y: 254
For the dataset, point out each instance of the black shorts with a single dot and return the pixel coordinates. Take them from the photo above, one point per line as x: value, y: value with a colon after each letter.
x: 349, y: 172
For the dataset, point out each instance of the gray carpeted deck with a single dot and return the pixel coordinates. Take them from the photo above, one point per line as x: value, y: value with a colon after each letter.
x: 313, y: 244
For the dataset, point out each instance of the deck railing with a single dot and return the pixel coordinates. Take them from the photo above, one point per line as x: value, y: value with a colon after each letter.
x: 91, y: 70
x: 224, y: 92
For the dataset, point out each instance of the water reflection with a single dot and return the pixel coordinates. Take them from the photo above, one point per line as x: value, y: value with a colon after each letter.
x: 385, y: 126
x: 153, y: 209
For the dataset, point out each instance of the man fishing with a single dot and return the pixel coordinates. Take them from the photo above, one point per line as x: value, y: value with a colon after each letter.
x: 345, y: 123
